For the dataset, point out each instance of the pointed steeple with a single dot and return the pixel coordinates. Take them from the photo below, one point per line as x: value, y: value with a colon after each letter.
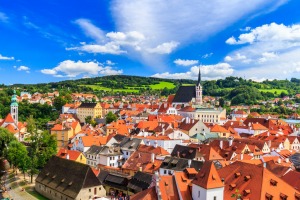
x: 199, y: 77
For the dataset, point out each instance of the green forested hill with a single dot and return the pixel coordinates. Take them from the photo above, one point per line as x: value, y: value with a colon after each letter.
x: 236, y: 89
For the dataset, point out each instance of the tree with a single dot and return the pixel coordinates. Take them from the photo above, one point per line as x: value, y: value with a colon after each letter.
x: 42, y: 147
x: 5, y: 138
x: 110, y: 117
x: 221, y: 102
x: 17, y: 155
x: 59, y: 102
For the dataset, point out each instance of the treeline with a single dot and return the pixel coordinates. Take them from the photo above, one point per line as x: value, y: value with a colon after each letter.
x: 235, y: 89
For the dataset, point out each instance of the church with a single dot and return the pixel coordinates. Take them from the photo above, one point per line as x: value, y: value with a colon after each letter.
x: 189, y: 95
x: 189, y: 98
x: 11, y: 123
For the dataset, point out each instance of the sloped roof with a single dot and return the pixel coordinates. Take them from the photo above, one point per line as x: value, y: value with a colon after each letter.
x: 67, y: 177
x: 185, y: 94
x: 208, y: 177
x: 148, y: 194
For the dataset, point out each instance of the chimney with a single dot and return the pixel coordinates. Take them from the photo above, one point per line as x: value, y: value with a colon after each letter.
x: 265, y: 164
x: 152, y: 157
x: 287, y: 160
x: 221, y: 144
x: 67, y: 156
x: 155, y: 144
x: 279, y: 160
x: 230, y: 141
x: 193, y: 121
x: 269, y: 143
x: 178, y: 154
x: 189, y: 163
x: 242, y: 156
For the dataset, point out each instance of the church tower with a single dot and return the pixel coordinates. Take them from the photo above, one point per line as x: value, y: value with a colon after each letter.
x: 199, y: 90
x: 14, y: 108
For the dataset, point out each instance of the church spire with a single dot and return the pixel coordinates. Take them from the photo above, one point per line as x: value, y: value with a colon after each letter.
x: 14, y: 108
x: 199, y: 77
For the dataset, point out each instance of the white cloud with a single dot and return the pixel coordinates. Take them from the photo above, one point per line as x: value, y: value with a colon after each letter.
x: 91, y: 30
x: 267, y: 33
x: 109, y: 62
x: 237, y: 56
x: 183, y: 21
x: 3, y: 17
x: 207, y: 55
x: 69, y: 68
x: 164, y: 48
x: 185, y: 62
x: 49, y: 71
x: 109, y: 48
x: 6, y: 58
x: 23, y: 68
x: 208, y: 72
x: 272, y: 51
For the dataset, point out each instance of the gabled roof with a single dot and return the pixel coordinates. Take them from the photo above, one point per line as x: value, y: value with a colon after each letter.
x: 8, y: 119
x: 253, y: 182
x: 168, y: 188
x: 148, y: 194
x: 140, y: 181
x: 183, y: 183
x: 185, y: 94
x: 208, y: 177
x: 73, y: 155
x: 67, y: 177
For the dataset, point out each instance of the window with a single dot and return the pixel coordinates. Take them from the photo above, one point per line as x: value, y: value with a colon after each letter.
x: 89, y: 190
x: 215, y: 198
x: 165, y: 171
x: 199, y: 193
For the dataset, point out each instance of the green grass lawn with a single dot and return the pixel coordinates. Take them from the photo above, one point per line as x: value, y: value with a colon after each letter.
x: 162, y: 85
x: 159, y: 86
x: 188, y: 84
x: 35, y: 194
x: 277, y: 91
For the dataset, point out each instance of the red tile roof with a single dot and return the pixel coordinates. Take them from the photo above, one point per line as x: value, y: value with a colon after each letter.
x: 208, y: 177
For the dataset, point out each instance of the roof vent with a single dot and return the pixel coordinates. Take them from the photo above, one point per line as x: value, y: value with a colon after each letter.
x: 237, y: 174
x: 246, y: 178
x: 246, y: 192
x: 62, y: 180
x: 54, y: 176
x: 232, y: 186
x: 70, y: 183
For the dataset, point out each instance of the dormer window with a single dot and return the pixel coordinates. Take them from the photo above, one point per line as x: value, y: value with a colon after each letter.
x: 269, y: 196
x: 273, y: 182
x: 246, y: 192
x: 283, y: 196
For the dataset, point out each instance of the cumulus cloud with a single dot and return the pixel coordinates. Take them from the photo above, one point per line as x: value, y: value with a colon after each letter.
x: 208, y: 72
x: 272, y: 51
x: 267, y: 33
x: 23, y: 68
x: 69, y: 68
x: 164, y: 48
x: 185, y: 62
x: 6, y: 58
x: 109, y: 48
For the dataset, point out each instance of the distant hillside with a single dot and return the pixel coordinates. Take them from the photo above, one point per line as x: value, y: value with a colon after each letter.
x: 230, y: 88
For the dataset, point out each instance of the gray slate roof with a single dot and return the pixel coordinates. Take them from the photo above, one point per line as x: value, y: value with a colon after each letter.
x: 67, y: 177
x: 185, y: 94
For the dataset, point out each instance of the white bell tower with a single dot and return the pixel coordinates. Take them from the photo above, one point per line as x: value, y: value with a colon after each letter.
x: 199, y: 90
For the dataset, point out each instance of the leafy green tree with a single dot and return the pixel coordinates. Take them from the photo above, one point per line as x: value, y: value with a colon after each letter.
x: 221, y: 102
x: 5, y: 138
x: 17, y: 155
x: 42, y: 146
x: 59, y: 102
x: 110, y: 117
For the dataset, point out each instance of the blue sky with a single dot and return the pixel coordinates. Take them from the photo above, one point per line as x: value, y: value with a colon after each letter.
x: 46, y: 41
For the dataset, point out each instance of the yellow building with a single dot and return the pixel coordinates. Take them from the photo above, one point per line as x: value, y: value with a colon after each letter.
x: 76, y: 156
x: 89, y: 109
x: 64, y: 132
